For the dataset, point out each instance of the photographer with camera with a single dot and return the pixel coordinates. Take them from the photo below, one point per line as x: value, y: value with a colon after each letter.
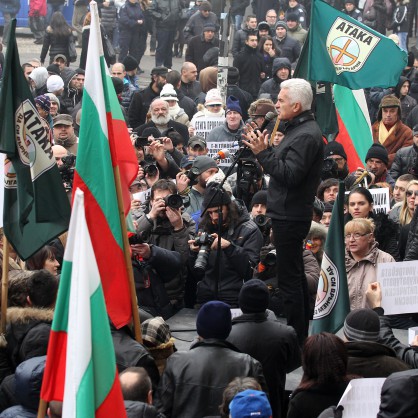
x: 337, y: 166
x: 66, y: 166
x: 258, y: 214
x: 192, y: 185
x: 170, y: 229
x: 241, y: 242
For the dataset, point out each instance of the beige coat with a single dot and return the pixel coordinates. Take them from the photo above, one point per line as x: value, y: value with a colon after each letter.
x: 361, y: 273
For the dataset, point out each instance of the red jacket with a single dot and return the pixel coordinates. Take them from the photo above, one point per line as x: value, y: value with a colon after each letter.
x: 37, y: 8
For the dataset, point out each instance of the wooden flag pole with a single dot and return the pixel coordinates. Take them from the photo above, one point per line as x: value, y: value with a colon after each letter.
x: 273, y: 134
x: 127, y: 254
x: 42, y: 408
x: 4, y: 285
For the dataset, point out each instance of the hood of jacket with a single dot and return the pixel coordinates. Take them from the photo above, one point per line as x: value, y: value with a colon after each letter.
x: 67, y: 77
x: 279, y: 63
x: 23, y: 316
x: 398, y: 87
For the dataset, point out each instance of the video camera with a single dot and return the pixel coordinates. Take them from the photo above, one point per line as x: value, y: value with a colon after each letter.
x: 329, y: 169
x: 67, y: 171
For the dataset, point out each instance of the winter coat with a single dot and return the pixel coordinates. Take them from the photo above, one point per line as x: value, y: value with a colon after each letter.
x: 407, y: 102
x: 70, y: 96
x: 27, y: 382
x: 129, y: 14
x: 194, y: 26
x: 237, y: 261
x: 361, y: 273
x: 191, y: 89
x: 109, y: 17
x: 300, y: 11
x: 411, y: 252
x: 272, y: 86
x: 355, y: 14
x: 399, y: 395
x: 193, y: 381
x: 37, y: 8
x: 406, y: 353
x: 400, y: 18
x: 238, y: 7
x: 371, y: 359
x: 245, y: 99
x: 298, y: 33
x: 386, y: 234
x: 287, y: 48
x: 27, y: 333
x: 140, y: 103
x: 295, y: 168
x: 312, y: 273
x: 10, y: 6
x: 186, y: 103
x: 374, y: 15
x: 163, y: 235
x: 197, y: 48
x: 166, y: 13
x: 240, y: 37
x: 309, y: 403
x: 131, y: 353
x: 56, y: 45
x: 250, y: 64
x: 161, y: 353
x: 260, y: 8
x: 259, y: 337
x: 136, y: 409
x: 399, y: 138
x: 405, y: 159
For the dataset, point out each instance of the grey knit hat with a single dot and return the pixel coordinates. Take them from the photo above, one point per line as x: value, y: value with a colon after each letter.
x: 362, y: 325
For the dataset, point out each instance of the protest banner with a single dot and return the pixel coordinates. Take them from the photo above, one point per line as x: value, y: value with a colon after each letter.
x: 381, y: 199
x: 204, y: 125
x: 399, y: 283
x: 215, y: 147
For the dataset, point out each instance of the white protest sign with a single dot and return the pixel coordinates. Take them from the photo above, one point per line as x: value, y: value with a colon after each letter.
x: 381, y: 200
x: 235, y: 312
x: 214, y: 147
x: 142, y: 196
x: 399, y: 283
x: 361, y: 399
x: 204, y: 125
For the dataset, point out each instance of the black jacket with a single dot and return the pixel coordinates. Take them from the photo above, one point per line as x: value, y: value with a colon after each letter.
x: 191, y: 90
x: 260, y: 8
x: 197, y: 48
x: 186, y: 103
x: 129, y: 14
x: 140, y: 103
x: 250, y: 64
x: 371, y: 359
x: 405, y: 159
x: 287, y: 48
x: 136, y: 409
x: 386, y: 234
x: 55, y: 44
x: 238, y: 261
x: 245, y: 99
x: 311, y: 402
x: 166, y: 13
x: 274, y: 345
x: 70, y: 96
x: 295, y: 169
x: 411, y: 248
x: 238, y: 7
x: 240, y: 37
x: 193, y: 381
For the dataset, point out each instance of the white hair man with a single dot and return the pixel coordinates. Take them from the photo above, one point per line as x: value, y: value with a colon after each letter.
x: 294, y: 168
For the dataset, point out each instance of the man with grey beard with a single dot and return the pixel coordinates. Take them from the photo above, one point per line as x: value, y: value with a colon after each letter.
x: 160, y: 119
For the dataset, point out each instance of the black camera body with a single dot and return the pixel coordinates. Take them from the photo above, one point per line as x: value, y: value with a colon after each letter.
x: 329, y: 169
x: 192, y: 175
x: 67, y: 171
x: 204, y: 241
x: 149, y: 167
x: 139, y: 238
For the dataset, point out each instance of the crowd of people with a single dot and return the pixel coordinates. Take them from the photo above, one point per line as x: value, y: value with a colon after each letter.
x: 217, y: 231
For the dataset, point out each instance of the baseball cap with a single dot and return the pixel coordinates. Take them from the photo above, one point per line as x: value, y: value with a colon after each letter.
x: 203, y: 163
x: 197, y: 140
x: 63, y: 120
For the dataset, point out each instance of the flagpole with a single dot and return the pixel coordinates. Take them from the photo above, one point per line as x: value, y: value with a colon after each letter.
x: 43, y: 405
x: 273, y: 134
x: 127, y: 254
x: 4, y: 285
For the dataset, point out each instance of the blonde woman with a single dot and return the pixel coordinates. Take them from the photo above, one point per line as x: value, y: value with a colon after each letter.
x: 408, y: 204
x: 362, y: 256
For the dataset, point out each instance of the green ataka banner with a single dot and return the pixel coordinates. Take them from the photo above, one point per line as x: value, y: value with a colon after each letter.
x: 332, y: 301
x: 343, y: 51
x: 36, y: 207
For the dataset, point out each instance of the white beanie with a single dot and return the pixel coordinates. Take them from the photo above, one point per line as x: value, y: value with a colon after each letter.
x: 168, y: 93
x: 213, y: 96
x: 54, y: 83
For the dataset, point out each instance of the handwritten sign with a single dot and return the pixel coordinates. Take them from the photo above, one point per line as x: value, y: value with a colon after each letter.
x: 205, y: 124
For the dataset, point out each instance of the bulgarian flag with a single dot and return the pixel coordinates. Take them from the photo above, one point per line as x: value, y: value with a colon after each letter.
x: 81, y: 368
x: 355, y: 132
x: 105, y: 144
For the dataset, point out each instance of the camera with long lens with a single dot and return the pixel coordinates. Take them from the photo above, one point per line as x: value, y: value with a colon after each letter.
x: 204, y: 241
x: 261, y: 220
x: 67, y: 171
x: 173, y: 201
x: 329, y: 169
x: 149, y: 167
x: 139, y: 238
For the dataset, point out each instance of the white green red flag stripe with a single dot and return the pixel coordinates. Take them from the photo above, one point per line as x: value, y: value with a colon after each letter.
x: 355, y: 132
x: 104, y: 143
x: 81, y: 368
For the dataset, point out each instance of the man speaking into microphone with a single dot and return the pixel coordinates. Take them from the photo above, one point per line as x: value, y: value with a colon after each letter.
x: 294, y: 168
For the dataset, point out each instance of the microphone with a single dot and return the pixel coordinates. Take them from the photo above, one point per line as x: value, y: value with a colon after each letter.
x: 222, y: 154
x: 267, y: 119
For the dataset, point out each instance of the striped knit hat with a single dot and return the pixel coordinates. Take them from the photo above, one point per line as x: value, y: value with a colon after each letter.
x: 362, y: 325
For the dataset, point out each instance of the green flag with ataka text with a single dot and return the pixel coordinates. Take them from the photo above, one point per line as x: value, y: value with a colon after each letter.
x: 332, y: 301
x: 36, y: 207
x: 343, y: 51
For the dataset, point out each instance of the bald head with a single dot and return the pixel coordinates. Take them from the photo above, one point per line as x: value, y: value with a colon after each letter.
x: 118, y: 70
x: 136, y: 385
x: 58, y: 151
x: 188, y: 72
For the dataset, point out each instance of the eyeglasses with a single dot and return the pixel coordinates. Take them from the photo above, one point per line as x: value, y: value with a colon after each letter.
x: 213, y: 105
x: 355, y: 235
x: 409, y: 193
